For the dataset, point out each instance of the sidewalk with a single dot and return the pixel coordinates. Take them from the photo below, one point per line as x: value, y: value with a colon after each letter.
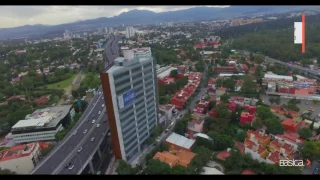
x: 112, y: 166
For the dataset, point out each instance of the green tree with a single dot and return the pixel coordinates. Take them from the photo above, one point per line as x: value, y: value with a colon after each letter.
x: 264, y: 112
x: 6, y: 172
x: 27, y: 82
x: 225, y: 98
x: 204, y: 142
x: 271, y: 100
x: 305, y: 132
x: 241, y: 136
x: 155, y: 166
x: 310, y: 150
x: 257, y: 123
x: 259, y: 58
x: 274, y: 126
x: 222, y: 142
x: 248, y: 86
x: 178, y: 169
x: 211, y: 104
x: 174, y: 73
x: 125, y: 168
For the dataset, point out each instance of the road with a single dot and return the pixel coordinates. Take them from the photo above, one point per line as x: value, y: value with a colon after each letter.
x: 65, y: 147
x: 310, y: 169
x: 311, y: 71
x: 79, y: 158
x: 202, y: 92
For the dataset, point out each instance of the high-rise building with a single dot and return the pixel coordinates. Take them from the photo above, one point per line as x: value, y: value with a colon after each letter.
x: 130, y: 94
x: 111, y: 30
x: 130, y: 32
x: 106, y: 29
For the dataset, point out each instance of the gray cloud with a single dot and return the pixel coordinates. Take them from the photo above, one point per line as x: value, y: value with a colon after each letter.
x: 12, y: 16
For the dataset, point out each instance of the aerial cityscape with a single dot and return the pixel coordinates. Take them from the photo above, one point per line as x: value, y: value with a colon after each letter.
x: 162, y: 90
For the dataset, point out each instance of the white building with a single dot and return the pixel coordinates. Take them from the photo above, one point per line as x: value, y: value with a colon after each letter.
x: 42, y: 125
x: 143, y: 52
x: 130, y: 32
x: 67, y: 35
x: 106, y: 30
x: 111, y: 30
x: 167, y: 110
x: 20, y: 159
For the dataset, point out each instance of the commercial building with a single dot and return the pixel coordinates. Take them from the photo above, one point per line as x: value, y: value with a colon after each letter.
x: 20, y: 159
x: 167, y: 110
x: 43, y: 124
x: 130, y: 32
x: 143, y: 52
x: 130, y: 94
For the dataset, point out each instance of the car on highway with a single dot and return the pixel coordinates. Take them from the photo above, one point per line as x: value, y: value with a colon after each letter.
x: 316, y: 171
x: 99, y: 172
x: 99, y: 92
x: 93, y: 121
x: 92, y: 139
x: 85, y: 131
x: 98, y: 125
x: 99, y: 112
x: 67, y: 165
x: 109, y: 134
x: 80, y: 149
x: 105, y: 120
x: 74, y: 133
x: 71, y: 167
x: 92, y: 116
x: 102, y: 98
x: 102, y: 105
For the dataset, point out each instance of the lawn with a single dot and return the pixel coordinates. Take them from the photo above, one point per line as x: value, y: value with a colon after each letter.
x: 63, y: 84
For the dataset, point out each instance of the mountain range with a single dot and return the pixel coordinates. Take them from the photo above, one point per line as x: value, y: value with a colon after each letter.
x: 147, y: 17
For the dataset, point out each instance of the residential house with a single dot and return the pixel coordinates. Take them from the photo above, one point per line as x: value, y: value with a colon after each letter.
x: 175, y: 158
x: 179, y: 143
x: 196, y: 126
x: 291, y: 139
x: 220, y: 91
x: 293, y: 127
x: 281, y: 146
x: 17, y: 97
x: 246, y: 117
x: 167, y: 110
x: 256, y: 150
x: 259, y: 137
x: 15, y: 80
x: 42, y: 100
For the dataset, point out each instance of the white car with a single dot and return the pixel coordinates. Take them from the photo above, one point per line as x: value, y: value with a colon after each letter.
x: 71, y: 167
x: 92, y: 139
x: 102, y: 105
x: 98, y: 125
x: 93, y: 121
x: 80, y: 149
x: 85, y: 131
x: 102, y: 97
x: 99, y: 112
x: 75, y: 132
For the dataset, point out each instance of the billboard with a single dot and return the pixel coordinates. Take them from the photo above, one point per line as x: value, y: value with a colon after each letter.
x: 127, y: 98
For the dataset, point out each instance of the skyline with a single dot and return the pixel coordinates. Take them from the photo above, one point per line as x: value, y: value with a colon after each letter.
x: 15, y: 16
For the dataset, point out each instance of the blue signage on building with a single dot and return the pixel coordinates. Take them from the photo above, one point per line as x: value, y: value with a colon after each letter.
x: 127, y: 98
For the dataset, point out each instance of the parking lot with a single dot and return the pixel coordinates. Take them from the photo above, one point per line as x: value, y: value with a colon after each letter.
x: 304, y: 105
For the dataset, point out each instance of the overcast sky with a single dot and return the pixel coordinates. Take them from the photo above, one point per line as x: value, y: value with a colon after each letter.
x: 12, y: 16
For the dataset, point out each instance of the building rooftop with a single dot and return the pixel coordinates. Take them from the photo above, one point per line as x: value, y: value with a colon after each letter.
x: 180, y: 158
x: 280, y: 77
x: 248, y: 172
x: 181, y: 141
x: 211, y: 171
x: 166, y: 73
x: 17, y: 151
x: 166, y: 107
x: 43, y: 118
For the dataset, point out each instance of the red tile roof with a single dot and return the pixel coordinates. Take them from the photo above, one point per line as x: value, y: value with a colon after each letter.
x: 17, y: 152
x: 274, y: 157
x: 257, y: 135
x: 223, y: 155
x: 248, y: 172
x: 240, y: 146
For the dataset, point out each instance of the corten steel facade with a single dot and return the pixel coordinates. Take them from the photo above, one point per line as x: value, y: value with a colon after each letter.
x: 130, y: 124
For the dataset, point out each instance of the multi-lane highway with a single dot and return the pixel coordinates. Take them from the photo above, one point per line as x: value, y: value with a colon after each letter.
x: 64, y: 148
x: 65, y: 158
x: 311, y: 71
